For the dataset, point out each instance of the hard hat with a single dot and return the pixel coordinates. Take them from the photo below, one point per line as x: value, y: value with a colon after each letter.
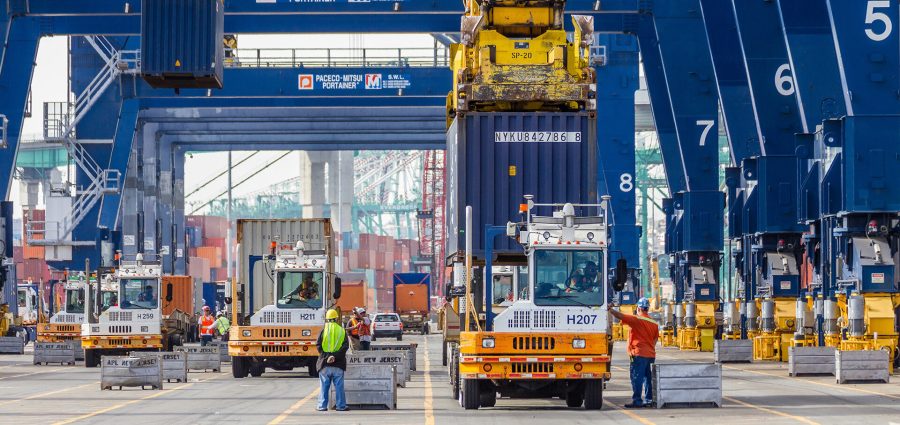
x: 643, y: 303
x: 332, y: 314
x: 361, y: 310
x: 220, y: 314
x: 206, y: 308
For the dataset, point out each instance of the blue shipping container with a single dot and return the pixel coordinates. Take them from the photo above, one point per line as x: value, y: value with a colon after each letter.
x: 494, y: 159
x: 182, y: 43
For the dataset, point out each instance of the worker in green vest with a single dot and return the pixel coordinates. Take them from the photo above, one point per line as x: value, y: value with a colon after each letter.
x: 222, y: 326
x: 332, y: 344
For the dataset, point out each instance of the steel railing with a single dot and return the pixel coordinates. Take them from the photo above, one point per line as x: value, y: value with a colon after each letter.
x: 337, y: 58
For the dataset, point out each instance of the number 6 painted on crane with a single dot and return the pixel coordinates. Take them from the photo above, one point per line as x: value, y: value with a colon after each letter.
x: 784, y: 83
x: 872, y: 16
x: 707, y: 126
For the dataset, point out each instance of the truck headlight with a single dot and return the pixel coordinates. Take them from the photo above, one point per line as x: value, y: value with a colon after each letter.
x: 247, y: 332
x: 487, y: 342
x: 306, y: 332
x: 579, y: 343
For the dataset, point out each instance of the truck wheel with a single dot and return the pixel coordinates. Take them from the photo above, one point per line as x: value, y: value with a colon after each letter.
x: 425, y: 329
x: 593, y: 394
x: 240, y: 367
x: 400, y: 337
x: 471, y: 397
x: 312, y: 370
x: 488, y: 398
x: 454, y: 381
x: 444, y: 354
x: 91, y: 358
x: 575, y: 398
x: 256, y: 370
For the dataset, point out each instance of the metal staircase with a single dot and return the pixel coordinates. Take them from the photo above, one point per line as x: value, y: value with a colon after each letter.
x: 60, y: 120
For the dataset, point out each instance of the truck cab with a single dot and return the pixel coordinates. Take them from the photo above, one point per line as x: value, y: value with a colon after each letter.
x: 133, y: 319
x: 65, y: 324
x: 28, y: 309
x: 552, y: 343
x: 283, y: 335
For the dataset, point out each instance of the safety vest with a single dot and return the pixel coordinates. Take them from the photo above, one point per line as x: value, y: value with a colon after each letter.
x: 364, y: 329
x: 222, y: 324
x: 354, y: 327
x: 332, y: 337
x: 205, y: 323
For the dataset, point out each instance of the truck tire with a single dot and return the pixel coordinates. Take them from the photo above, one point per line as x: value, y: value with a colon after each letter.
x: 400, y: 337
x: 454, y: 381
x: 471, y: 396
x: 444, y: 354
x: 312, y: 371
x: 575, y: 398
x: 240, y: 367
x: 593, y: 394
x: 488, y: 398
x: 256, y: 370
x: 425, y: 329
x: 91, y: 358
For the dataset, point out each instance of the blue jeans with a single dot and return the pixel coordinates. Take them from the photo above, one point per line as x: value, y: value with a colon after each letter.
x: 327, y: 376
x: 640, y: 376
x: 205, y: 339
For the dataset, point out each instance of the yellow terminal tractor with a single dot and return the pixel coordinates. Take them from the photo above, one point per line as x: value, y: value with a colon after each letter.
x: 555, y: 342
x: 295, y: 284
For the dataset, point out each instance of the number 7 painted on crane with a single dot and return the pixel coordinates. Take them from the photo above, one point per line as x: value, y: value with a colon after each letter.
x: 707, y: 126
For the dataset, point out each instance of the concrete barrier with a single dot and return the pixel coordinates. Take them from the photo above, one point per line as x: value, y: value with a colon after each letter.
x: 174, y: 364
x: 79, y: 350
x: 383, y: 357
x: 369, y: 386
x: 733, y: 351
x: 811, y: 361
x: 689, y: 384
x: 409, y: 348
x: 54, y: 352
x: 12, y: 345
x: 202, y: 358
x: 127, y: 371
x: 223, y: 352
x: 860, y: 365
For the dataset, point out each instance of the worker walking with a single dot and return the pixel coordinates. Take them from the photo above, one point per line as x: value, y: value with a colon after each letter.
x: 353, y: 329
x: 223, y: 325
x: 332, y: 344
x: 365, y: 330
x: 207, y: 325
x: 642, y: 350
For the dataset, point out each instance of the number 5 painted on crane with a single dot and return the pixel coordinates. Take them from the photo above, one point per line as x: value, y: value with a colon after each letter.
x: 872, y: 16
x: 707, y: 126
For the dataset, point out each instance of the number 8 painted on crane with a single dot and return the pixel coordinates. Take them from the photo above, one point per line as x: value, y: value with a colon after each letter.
x: 872, y: 16
x: 626, y: 183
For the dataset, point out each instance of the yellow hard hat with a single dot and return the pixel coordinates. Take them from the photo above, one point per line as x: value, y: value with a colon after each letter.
x: 332, y: 314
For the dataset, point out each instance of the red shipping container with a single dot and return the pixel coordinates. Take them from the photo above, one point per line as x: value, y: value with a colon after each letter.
x: 20, y: 270
x: 18, y: 254
x: 194, y: 221
x: 367, y: 241
x: 215, y: 227
x: 33, y: 252
x: 217, y: 242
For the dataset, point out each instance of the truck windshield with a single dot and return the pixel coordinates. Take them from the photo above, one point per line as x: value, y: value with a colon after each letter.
x: 300, y: 289
x: 74, y: 300
x: 139, y: 293
x: 568, y: 278
x: 503, y: 288
x: 108, y: 299
x: 22, y: 298
x: 522, y: 282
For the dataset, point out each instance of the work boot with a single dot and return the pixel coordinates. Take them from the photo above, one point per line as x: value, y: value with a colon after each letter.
x: 634, y: 405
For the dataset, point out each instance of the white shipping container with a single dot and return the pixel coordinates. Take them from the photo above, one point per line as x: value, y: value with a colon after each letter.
x: 254, y: 238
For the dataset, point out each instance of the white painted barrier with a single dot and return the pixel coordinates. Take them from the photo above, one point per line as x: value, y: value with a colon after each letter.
x: 174, y: 364
x: 811, y: 361
x: 54, y: 352
x: 126, y: 371
x: 12, y: 345
x: 733, y: 351
x: 202, y: 358
x: 369, y: 386
x: 687, y: 384
x: 395, y: 358
x: 860, y: 365
x: 409, y: 348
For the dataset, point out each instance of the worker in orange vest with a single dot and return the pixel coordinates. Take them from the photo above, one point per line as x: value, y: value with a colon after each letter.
x: 207, y: 326
x: 642, y: 350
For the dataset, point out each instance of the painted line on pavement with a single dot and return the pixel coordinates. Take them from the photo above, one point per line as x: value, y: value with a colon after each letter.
x: 823, y: 384
x: 294, y: 408
x: 774, y: 412
x: 31, y: 397
x: 33, y: 373
x: 130, y: 402
x: 429, y: 401
x: 13, y: 365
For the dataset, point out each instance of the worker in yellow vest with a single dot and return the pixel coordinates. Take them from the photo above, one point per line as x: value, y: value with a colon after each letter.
x: 333, y: 345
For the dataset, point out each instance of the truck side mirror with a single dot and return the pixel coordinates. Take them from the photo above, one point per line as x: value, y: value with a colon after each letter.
x: 447, y: 289
x: 168, y: 292
x: 621, y: 275
x: 228, y: 300
x: 337, y: 288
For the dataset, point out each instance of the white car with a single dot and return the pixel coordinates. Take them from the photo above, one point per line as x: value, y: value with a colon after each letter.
x: 387, y: 325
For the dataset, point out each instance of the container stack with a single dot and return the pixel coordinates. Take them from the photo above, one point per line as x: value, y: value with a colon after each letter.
x: 208, y: 247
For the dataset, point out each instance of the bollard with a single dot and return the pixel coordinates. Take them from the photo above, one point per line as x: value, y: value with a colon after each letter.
x: 410, y: 348
x: 12, y: 345
x: 202, y: 358
x: 54, y: 352
x: 811, y: 361
x: 174, y: 364
x: 126, y: 371
x: 734, y: 351
x: 370, y: 385
x: 687, y: 384
x: 862, y: 365
x: 394, y: 358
